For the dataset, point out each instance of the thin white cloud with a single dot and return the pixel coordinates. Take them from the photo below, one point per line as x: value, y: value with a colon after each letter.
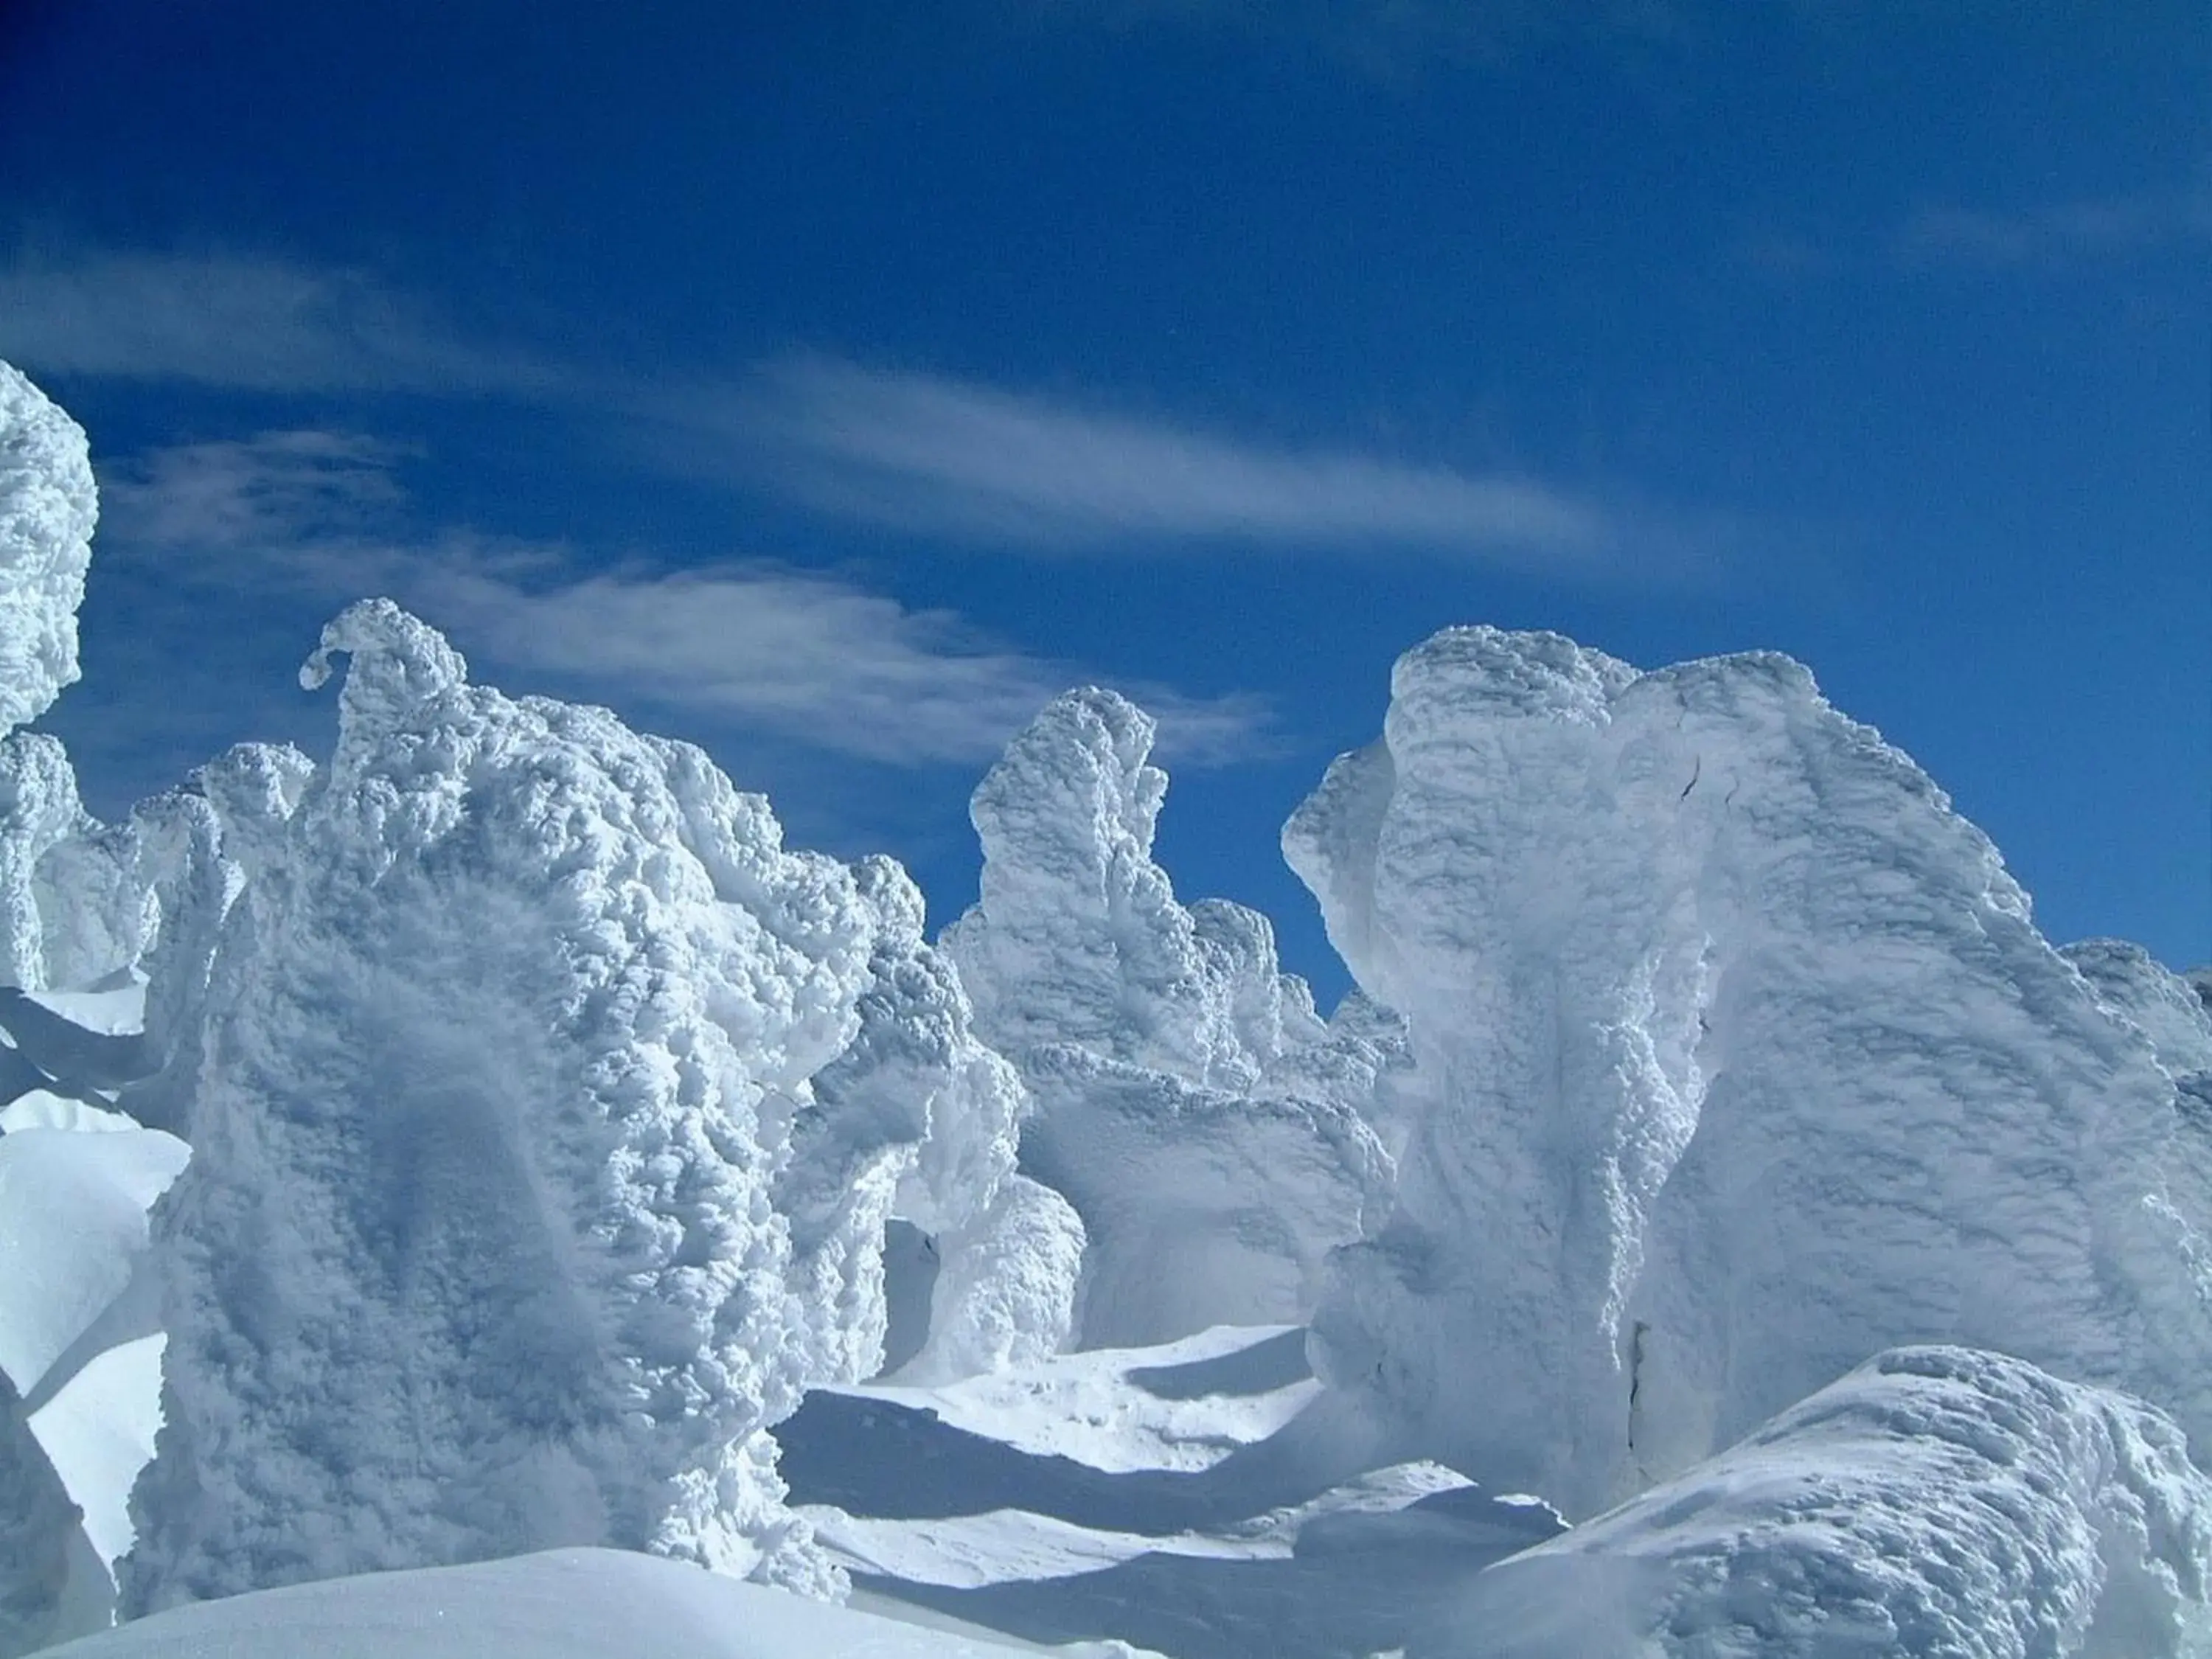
x: 809, y: 656
x: 2063, y: 233
x: 926, y: 452
x: 252, y: 322
x: 261, y: 492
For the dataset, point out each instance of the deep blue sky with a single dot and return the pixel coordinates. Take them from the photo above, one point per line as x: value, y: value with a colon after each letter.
x: 831, y: 383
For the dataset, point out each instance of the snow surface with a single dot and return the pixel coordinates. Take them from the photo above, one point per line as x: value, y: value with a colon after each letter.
x: 516, y: 1215
x: 575, y: 1603
x: 1740, y: 1060
x: 72, y: 1232
x: 1199, y: 1116
x: 1936, y: 1501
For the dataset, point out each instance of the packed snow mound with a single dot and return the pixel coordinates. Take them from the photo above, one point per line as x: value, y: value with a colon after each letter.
x: 47, y: 508
x: 1202, y: 1207
x: 1205, y: 1122
x: 1005, y: 1287
x: 1936, y: 1501
x: 1738, y: 1059
x: 558, y: 1604
x: 514, y: 1216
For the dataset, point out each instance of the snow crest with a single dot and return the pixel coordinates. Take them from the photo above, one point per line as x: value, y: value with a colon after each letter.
x: 547, y: 1111
x: 1738, y: 1059
x: 1935, y: 1501
x: 1199, y: 1116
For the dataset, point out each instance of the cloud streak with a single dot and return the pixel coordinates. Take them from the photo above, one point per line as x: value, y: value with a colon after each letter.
x: 807, y: 655
x: 250, y: 324
x: 924, y: 452
x: 2063, y: 233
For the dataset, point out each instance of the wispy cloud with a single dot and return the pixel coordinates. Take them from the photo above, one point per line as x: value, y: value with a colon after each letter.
x: 807, y: 654
x: 923, y: 451
x: 252, y: 322
x: 2087, y: 231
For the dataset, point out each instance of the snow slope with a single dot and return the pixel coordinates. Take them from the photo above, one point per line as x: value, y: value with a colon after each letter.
x: 515, y: 1216
x: 558, y: 1604
x: 1936, y: 1501
x: 1740, y: 1061
x: 1203, y: 1121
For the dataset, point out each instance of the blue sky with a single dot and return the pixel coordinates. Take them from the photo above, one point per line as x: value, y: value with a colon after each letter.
x: 831, y: 384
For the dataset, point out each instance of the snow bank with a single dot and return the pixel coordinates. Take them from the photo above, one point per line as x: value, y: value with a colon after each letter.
x: 560, y: 1604
x: 72, y: 1232
x: 515, y: 1213
x: 1935, y: 1501
x: 1739, y: 1060
x: 1190, y: 1104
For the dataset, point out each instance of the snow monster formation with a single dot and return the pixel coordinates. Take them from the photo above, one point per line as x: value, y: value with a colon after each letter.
x: 1201, y: 1117
x: 1738, y: 1060
x: 1933, y: 1501
x: 48, y: 506
x: 547, y: 1116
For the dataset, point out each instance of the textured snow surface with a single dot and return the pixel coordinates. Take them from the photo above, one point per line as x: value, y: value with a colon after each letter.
x: 1201, y: 1117
x: 47, y: 507
x: 72, y: 1232
x: 516, y: 1213
x: 557, y: 1604
x: 1740, y: 1061
x: 1933, y: 1502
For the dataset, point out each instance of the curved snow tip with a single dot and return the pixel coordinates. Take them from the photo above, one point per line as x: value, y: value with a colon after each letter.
x: 405, y: 655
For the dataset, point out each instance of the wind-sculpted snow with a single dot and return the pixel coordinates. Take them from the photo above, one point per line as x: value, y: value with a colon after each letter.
x: 1201, y: 1206
x: 2166, y: 1007
x: 1199, y: 1115
x: 1738, y: 1059
x: 1936, y: 1501
x: 514, y: 1216
x: 47, y: 508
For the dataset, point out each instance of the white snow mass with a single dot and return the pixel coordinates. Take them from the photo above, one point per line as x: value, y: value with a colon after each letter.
x: 1936, y: 1501
x: 1740, y: 1060
x: 1191, y: 1105
x: 515, y: 1217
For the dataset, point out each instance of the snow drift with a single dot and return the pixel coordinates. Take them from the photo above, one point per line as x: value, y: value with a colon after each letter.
x: 1933, y: 1501
x: 1201, y: 1117
x: 546, y: 1117
x: 1739, y: 1060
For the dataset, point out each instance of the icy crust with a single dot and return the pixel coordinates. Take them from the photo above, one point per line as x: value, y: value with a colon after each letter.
x: 1737, y: 1058
x: 514, y: 1215
x: 48, y: 509
x: 1201, y: 1118
x: 1935, y: 1501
